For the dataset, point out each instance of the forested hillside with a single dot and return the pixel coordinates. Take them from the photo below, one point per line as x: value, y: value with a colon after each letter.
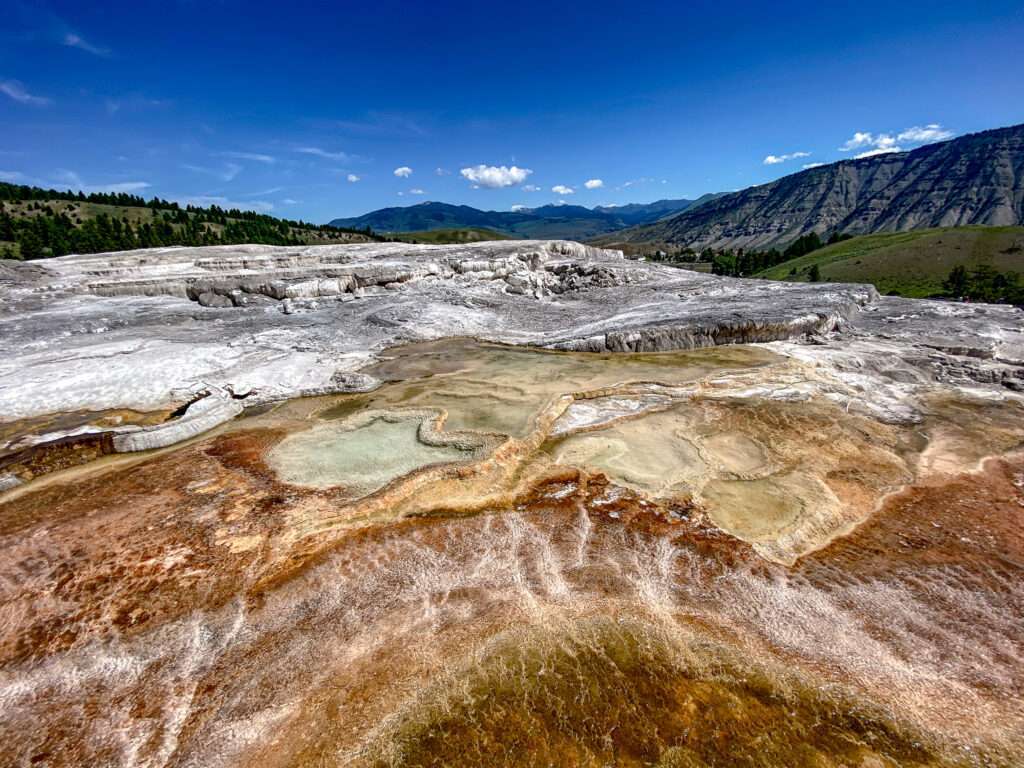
x: 39, y: 223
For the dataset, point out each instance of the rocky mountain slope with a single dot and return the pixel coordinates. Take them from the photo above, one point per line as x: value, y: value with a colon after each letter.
x: 549, y: 221
x: 974, y: 179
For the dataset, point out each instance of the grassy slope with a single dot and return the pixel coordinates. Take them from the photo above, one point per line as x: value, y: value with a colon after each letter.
x: 457, y: 235
x: 913, y: 263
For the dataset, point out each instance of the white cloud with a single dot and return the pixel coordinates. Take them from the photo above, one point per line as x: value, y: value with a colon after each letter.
x: 531, y: 188
x: 320, y: 152
x: 403, y: 172
x: 860, y: 139
x: 17, y: 91
x: 517, y: 208
x: 71, y: 40
x: 925, y: 134
x: 877, y: 151
x: 593, y: 183
x: 883, y: 143
x: 226, y: 173
x: 775, y: 159
x: 561, y: 189
x: 254, y: 156
x: 352, y: 178
x: 289, y: 201
x: 495, y: 176
x: 416, y: 191
x: 812, y: 165
x: 442, y: 172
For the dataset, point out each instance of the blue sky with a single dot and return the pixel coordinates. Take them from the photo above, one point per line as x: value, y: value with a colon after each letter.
x: 318, y: 110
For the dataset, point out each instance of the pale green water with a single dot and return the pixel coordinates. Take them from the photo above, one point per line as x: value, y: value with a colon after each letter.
x: 494, y: 388
x: 362, y: 460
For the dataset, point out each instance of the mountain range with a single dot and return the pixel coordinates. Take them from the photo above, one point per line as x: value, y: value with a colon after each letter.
x: 974, y: 179
x: 573, y: 222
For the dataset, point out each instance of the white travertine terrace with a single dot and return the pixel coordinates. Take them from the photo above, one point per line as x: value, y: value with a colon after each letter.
x: 249, y: 324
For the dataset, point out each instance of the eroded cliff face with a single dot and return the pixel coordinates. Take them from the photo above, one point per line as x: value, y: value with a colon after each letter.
x: 805, y: 551
x: 975, y: 179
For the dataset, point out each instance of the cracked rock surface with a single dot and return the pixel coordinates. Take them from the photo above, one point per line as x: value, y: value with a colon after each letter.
x: 155, y: 328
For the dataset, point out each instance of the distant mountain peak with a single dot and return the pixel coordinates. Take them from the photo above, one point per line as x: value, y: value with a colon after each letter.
x: 552, y: 220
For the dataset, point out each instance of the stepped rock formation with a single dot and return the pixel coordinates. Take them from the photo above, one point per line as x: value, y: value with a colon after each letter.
x: 974, y: 179
x: 391, y: 505
x: 146, y: 329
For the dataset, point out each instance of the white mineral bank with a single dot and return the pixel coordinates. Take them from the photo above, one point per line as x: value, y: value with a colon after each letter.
x: 241, y: 324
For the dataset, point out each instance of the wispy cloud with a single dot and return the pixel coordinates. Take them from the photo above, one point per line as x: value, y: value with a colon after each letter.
x: 71, y: 180
x: 264, y: 192
x: 203, y: 201
x: 561, y: 189
x: 289, y: 201
x: 633, y: 182
x: 494, y: 176
x: 352, y: 178
x: 14, y: 177
x: 884, y: 143
x: 442, y: 172
x: 531, y: 188
x: 341, y: 157
x: 253, y: 156
x: 37, y: 22
x: 812, y: 165
x: 593, y: 183
x: 71, y: 40
x: 416, y: 191
x: 133, y: 102
x: 15, y: 90
x: 381, y: 124
x: 403, y: 172
x: 122, y: 186
x: 776, y: 159
x: 227, y: 172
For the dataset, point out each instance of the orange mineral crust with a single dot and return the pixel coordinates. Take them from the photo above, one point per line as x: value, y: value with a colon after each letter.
x: 686, y: 566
